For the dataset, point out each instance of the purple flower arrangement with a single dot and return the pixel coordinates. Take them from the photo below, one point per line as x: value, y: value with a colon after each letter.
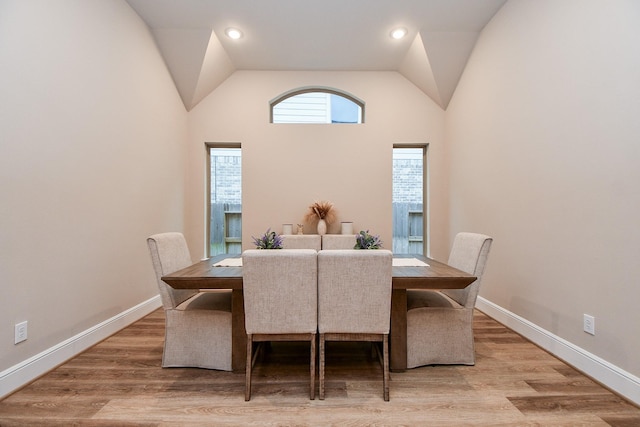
x: 364, y: 240
x: 269, y: 240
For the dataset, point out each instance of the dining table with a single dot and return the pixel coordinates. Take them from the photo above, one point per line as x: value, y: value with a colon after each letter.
x: 410, y: 271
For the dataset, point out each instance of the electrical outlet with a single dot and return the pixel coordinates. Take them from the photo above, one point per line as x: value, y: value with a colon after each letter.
x: 589, y: 324
x: 21, y: 332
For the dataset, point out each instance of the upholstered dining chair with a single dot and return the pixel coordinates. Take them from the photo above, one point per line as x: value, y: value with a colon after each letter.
x: 302, y: 241
x: 280, y: 302
x: 354, y: 302
x: 440, y: 323
x: 197, y: 324
x: 338, y: 241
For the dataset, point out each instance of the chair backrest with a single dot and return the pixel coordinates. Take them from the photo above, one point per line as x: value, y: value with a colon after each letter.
x: 280, y: 288
x: 170, y: 253
x: 354, y: 291
x: 338, y: 241
x: 469, y: 254
x: 302, y: 241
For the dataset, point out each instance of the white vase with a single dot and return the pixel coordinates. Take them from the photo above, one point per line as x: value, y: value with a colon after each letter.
x: 322, y: 227
x: 347, y: 228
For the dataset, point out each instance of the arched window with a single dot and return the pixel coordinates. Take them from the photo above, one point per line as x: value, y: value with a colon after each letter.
x: 316, y: 105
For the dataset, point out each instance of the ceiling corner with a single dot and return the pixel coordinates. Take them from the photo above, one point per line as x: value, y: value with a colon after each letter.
x: 216, y: 68
x: 196, y: 60
x: 183, y: 51
x: 416, y: 68
x: 448, y: 52
x: 435, y: 62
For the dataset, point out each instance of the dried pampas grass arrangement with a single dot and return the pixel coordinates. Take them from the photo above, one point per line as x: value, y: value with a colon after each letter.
x: 321, y: 210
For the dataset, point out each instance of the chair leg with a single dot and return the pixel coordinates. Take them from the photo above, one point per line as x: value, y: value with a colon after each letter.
x: 247, y: 384
x: 385, y: 366
x: 321, y: 374
x: 312, y: 363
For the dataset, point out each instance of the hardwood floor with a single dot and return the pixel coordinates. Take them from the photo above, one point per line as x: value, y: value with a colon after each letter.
x: 119, y: 382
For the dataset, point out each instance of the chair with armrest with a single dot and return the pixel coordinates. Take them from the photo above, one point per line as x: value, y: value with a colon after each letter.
x: 280, y: 302
x: 354, y: 302
x: 302, y: 241
x: 440, y: 323
x: 338, y: 241
x: 197, y: 324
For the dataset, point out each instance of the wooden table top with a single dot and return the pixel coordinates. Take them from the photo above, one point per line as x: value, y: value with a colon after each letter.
x: 203, y: 275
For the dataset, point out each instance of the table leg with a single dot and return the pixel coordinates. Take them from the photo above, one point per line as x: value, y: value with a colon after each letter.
x: 238, y: 332
x: 398, y: 333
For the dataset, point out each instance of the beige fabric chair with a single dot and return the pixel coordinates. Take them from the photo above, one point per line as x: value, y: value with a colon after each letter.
x: 302, y: 241
x: 197, y: 324
x: 440, y: 323
x: 280, y: 301
x: 354, y: 302
x: 338, y: 241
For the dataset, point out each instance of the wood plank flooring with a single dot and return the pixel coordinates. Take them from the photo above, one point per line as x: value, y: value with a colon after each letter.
x: 119, y: 382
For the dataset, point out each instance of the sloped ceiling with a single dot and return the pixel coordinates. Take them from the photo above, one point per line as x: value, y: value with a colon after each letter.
x: 332, y: 35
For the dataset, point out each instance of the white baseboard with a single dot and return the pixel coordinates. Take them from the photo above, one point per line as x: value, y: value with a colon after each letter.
x: 23, y: 373
x: 611, y: 376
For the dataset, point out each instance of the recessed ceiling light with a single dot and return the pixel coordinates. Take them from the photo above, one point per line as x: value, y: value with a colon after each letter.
x: 398, y: 33
x: 233, y: 33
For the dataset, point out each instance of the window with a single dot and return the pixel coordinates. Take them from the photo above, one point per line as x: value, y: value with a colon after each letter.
x: 316, y: 105
x: 408, y: 207
x: 224, y: 231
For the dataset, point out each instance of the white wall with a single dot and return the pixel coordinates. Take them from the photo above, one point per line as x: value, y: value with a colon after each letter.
x: 543, y: 138
x: 286, y: 167
x: 92, y: 135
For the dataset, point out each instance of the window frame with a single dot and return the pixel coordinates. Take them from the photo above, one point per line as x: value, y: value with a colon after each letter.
x: 426, y: 215
x: 207, y: 222
x: 313, y: 89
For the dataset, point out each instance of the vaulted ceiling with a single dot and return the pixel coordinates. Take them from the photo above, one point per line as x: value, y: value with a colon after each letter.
x: 327, y: 35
